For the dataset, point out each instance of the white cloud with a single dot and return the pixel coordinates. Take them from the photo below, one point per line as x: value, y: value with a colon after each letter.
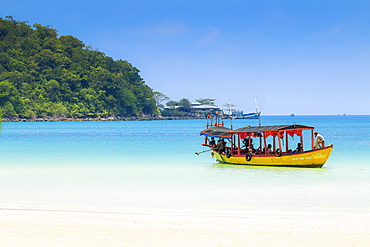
x: 210, y: 36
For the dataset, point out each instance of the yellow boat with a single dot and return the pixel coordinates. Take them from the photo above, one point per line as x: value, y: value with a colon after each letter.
x: 236, y: 146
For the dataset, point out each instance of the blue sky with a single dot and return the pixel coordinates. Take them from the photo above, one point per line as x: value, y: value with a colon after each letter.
x: 294, y: 56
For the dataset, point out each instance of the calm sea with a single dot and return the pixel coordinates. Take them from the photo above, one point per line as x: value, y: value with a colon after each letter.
x: 151, y: 167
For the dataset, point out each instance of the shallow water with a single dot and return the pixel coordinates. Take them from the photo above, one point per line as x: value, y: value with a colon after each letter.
x: 151, y: 167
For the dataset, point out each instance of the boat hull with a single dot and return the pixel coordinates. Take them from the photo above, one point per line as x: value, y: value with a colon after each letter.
x: 245, y: 116
x: 311, y: 159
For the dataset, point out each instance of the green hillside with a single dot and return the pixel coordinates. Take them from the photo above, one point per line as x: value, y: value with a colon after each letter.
x: 44, y: 74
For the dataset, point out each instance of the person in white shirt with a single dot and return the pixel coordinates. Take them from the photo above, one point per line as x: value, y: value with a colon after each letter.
x: 319, y: 140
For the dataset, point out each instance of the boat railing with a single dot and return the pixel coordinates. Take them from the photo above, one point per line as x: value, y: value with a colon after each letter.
x: 215, y: 125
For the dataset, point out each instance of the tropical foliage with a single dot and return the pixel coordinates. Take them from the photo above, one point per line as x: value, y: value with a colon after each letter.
x: 44, y: 74
x: 159, y: 99
x: 207, y: 101
x: 179, y: 108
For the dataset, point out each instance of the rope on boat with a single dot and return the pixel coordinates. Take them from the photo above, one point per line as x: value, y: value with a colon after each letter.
x: 340, y: 158
x: 197, y: 153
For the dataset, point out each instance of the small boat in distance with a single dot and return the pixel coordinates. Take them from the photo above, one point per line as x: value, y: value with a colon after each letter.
x: 265, y: 146
x: 233, y: 114
x: 241, y: 115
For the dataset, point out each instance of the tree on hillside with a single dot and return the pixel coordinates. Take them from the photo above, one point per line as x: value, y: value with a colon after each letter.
x: 172, y: 104
x: 207, y: 101
x: 159, y: 99
x: 42, y: 74
x: 184, y: 103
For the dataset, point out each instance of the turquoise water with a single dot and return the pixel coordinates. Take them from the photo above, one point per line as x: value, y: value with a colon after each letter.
x: 151, y: 167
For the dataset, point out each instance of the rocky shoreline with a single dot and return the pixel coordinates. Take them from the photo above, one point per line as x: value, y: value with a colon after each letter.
x: 112, y: 118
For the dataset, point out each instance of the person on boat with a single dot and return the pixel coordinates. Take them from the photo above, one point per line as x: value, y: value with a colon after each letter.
x: 220, y: 148
x: 319, y: 140
x: 248, y: 143
x: 258, y: 150
x: 212, y: 142
x: 245, y: 142
x: 269, y: 149
x: 299, y: 148
x: 251, y: 149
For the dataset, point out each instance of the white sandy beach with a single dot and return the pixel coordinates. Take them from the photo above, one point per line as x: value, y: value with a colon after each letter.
x: 63, y: 228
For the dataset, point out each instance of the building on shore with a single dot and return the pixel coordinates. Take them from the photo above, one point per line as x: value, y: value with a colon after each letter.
x: 195, y: 109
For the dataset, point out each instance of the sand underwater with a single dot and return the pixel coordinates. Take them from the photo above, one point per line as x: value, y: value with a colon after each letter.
x: 140, y: 184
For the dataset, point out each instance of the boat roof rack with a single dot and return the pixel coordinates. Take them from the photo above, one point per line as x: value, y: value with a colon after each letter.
x: 217, y: 131
x: 272, y: 128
